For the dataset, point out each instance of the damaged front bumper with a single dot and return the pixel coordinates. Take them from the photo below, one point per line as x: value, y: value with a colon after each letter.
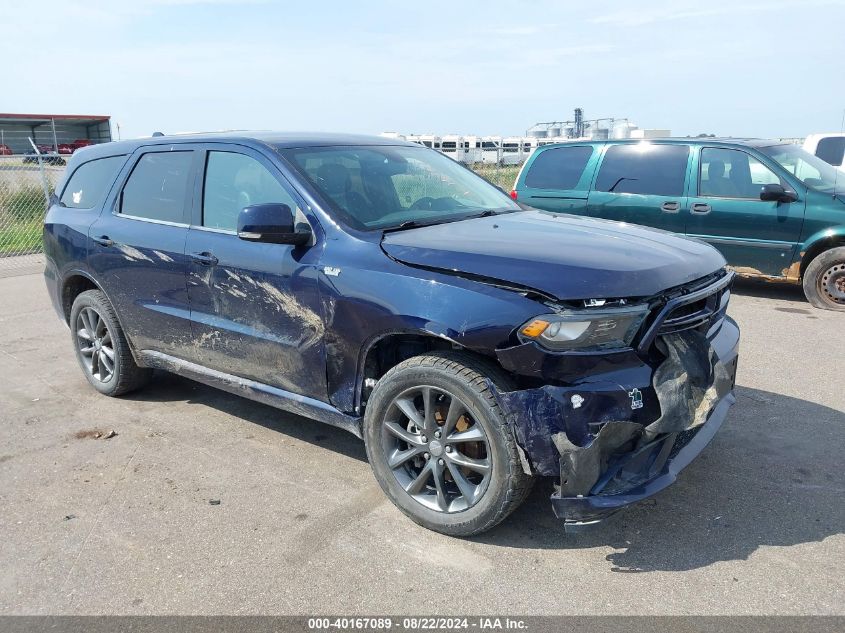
x: 622, y: 428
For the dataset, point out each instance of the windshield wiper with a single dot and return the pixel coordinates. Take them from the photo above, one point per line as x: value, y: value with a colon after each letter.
x: 408, y: 224
x: 415, y: 224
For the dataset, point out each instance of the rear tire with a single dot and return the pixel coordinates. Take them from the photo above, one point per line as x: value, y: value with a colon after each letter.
x: 101, y: 347
x: 824, y: 280
x: 456, y: 470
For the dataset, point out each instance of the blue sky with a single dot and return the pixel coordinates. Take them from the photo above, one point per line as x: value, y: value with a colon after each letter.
x: 738, y: 67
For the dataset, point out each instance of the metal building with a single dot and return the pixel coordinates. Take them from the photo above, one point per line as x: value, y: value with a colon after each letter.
x: 54, y: 133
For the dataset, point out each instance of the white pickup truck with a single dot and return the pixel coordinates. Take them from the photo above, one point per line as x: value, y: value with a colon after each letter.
x: 829, y: 147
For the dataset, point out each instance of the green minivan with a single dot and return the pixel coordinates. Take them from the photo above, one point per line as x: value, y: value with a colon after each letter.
x: 775, y: 211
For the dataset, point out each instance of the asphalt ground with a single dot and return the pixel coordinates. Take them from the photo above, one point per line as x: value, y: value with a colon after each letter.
x: 126, y: 525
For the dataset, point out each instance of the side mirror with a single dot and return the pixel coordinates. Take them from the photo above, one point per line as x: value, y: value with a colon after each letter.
x: 271, y: 223
x: 777, y: 193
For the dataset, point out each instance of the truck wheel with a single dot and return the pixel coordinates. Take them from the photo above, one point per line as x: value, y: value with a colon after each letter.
x: 439, y: 446
x: 824, y: 280
x: 101, y: 346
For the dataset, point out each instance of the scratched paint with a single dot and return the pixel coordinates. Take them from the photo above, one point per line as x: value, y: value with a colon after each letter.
x: 132, y: 254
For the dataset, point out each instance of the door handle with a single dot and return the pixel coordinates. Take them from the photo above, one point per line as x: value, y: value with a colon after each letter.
x: 700, y: 208
x: 103, y: 240
x: 670, y: 207
x: 204, y: 259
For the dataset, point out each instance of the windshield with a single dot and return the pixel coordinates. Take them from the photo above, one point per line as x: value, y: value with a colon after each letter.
x: 380, y: 187
x: 809, y: 169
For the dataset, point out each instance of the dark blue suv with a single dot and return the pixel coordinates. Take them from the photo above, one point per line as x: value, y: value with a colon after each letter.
x: 383, y: 288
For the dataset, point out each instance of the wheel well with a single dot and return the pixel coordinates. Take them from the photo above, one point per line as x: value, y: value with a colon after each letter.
x: 72, y: 288
x: 818, y: 248
x: 392, y: 349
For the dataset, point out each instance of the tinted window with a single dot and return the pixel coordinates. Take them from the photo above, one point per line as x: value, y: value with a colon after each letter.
x: 158, y: 187
x: 234, y: 181
x: 89, y: 183
x: 644, y: 168
x: 731, y: 173
x: 831, y: 150
x: 559, y: 168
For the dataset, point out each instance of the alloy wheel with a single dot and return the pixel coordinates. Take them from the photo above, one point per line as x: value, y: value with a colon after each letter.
x: 94, y: 342
x: 438, y: 453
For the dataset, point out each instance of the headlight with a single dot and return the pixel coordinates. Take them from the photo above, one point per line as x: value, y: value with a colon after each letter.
x: 585, y: 329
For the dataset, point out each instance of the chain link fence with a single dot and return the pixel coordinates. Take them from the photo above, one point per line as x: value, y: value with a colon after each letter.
x: 26, y: 183
x: 503, y: 176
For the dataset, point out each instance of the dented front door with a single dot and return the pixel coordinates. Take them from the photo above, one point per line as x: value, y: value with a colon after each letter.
x: 255, y: 309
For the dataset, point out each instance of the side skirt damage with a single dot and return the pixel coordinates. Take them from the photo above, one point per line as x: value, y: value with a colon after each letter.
x: 285, y: 400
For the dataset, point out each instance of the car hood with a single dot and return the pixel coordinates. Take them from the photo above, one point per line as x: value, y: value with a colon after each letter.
x: 568, y: 257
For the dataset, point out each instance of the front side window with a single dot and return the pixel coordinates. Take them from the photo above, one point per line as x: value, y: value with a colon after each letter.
x: 234, y: 181
x: 832, y: 150
x: 731, y: 173
x: 376, y: 187
x: 158, y: 187
x: 89, y: 183
x: 810, y: 170
x: 644, y: 168
x: 559, y: 168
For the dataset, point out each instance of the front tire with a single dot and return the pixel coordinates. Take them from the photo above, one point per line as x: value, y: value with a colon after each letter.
x: 439, y: 446
x: 824, y: 280
x: 101, y: 346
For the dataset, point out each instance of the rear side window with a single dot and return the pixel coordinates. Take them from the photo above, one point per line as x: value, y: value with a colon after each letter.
x: 644, y: 168
x: 832, y: 150
x: 158, y: 187
x: 89, y: 183
x: 234, y: 181
x: 559, y: 168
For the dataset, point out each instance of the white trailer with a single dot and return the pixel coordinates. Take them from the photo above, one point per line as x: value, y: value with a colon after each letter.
x: 491, y: 150
x: 512, y: 150
x: 453, y: 146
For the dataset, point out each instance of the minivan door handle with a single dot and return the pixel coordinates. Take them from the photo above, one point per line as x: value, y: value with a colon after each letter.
x: 204, y: 259
x: 700, y: 208
x: 670, y: 207
x: 103, y: 240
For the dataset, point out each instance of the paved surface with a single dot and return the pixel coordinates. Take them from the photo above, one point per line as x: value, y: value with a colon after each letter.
x: 124, y: 525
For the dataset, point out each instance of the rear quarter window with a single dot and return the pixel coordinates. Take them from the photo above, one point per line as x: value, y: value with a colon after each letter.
x: 88, y: 185
x: 559, y: 168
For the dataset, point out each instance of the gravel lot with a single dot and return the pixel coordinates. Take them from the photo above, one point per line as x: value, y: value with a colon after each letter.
x: 125, y: 525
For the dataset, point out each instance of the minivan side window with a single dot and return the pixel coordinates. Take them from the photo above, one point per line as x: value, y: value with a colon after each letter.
x: 88, y: 184
x: 559, y: 168
x: 732, y: 173
x: 832, y: 150
x: 234, y: 181
x: 644, y: 168
x: 158, y: 186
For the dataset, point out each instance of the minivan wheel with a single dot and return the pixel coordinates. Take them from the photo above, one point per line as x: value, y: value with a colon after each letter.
x: 101, y: 346
x: 824, y: 280
x: 439, y: 446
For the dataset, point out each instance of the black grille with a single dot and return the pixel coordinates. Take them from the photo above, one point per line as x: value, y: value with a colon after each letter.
x: 699, y: 305
x: 683, y: 438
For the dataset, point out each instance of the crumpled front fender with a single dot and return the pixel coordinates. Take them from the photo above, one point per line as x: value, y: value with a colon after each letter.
x: 580, y: 432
